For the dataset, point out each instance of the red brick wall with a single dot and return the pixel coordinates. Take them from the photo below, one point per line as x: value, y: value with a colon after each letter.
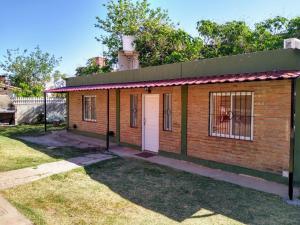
x: 99, y: 127
x: 269, y: 149
x: 168, y: 140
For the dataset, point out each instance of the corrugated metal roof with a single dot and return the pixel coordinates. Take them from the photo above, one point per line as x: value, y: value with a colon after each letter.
x: 229, y: 78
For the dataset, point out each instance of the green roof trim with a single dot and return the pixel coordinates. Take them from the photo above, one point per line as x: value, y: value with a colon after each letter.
x: 273, y: 60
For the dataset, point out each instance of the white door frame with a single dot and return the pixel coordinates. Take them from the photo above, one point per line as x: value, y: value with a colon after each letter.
x: 143, y: 120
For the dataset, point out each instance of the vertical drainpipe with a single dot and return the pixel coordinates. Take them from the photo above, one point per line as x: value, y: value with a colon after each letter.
x: 292, y: 140
x: 107, y: 129
x: 45, y: 111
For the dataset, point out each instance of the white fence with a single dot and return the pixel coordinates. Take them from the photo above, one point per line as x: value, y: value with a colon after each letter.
x: 29, y: 109
x: 36, y: 101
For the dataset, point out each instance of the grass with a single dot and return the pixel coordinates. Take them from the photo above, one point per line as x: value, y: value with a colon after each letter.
x: 121, y: 191
x: 17, y: 154
x: 21, y: 130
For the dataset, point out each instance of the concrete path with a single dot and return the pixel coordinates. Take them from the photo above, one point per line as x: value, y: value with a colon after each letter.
x: 10, y: 216
x: 16, y: 177
x: 239, y: 179
x: 63, y: 138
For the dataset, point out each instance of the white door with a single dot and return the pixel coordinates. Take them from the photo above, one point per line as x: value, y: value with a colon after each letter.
x: 151, y: 122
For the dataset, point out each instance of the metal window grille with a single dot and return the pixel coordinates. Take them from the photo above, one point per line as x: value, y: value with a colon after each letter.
x: 133, y: 110
x: 167, y: 112
x: 231, y: 115
x: 89, y: 104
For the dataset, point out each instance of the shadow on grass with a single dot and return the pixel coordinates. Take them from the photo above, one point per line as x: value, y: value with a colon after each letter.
x: 64, y: 152
x: 180, y: 195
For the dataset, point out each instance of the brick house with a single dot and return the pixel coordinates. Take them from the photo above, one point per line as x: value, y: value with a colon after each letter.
x: 241, y: 110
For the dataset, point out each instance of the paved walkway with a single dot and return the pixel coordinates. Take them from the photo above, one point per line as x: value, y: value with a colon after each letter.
x: 239, y: 179
x: 63, y: 138
x: 8, y: 214
x: 16, y: 177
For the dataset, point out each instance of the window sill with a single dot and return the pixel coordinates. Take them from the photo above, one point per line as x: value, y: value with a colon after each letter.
x: 232, y: 137
x: 169, y: 131
x: 90, y: 121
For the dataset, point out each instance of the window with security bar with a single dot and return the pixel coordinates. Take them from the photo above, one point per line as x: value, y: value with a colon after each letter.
x: 89, y: 108
x: 231, y: 115
x: 133, y: 110
x: 167, y: 112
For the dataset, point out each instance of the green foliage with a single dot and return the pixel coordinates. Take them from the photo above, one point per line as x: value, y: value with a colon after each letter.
x: 163, y: 44
x: 29, y: 70
x: 223, y: 39
x: 237, y: 37
x: 157, y: 39
x: 293, y: 27
x: 91, y: 67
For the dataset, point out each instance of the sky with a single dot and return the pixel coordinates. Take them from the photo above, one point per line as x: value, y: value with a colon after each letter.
x: 65, y: 28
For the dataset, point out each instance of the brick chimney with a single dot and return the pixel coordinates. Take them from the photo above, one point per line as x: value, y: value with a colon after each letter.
x: 100, y: 61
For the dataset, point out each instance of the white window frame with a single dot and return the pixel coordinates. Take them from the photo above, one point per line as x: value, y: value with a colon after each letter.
x: 230, y: 135
x: 84, y: 109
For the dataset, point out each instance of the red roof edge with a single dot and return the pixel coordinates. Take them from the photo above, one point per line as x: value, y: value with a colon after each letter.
x: 228, y: 78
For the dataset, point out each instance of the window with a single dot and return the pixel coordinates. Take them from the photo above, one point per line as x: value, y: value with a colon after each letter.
x: 89, y: 108
x: 231, y: 115
x: 168, y: 112
x: 133, y: 110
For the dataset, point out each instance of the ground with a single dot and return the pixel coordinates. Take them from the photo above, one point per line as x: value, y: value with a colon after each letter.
x: 16, y: 154
x: 130, y: 191
x: 123, y: 191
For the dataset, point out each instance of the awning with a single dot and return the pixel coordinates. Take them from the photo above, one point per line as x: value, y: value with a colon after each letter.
x: 229, y: 78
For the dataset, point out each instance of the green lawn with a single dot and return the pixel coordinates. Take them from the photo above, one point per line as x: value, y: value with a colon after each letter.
x: 16, y: 154
x: 123, y: 191
x: 20, y: 130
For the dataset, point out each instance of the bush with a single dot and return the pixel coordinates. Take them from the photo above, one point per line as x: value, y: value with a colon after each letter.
x: 55, y: 117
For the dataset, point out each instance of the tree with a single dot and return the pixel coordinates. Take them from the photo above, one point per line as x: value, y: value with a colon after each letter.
x: 224, y: 39
x: 157, y: 39
x: 90, y: 68
x: 293, y: 27
x: 269, y: 34
x: 163, y: 45
x: 236, y: 37
x: 29, y: 71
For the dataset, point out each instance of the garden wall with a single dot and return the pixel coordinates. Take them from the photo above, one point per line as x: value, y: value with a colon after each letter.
x: 29, y: 109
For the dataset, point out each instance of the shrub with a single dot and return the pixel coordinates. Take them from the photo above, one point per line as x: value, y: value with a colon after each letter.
x: 55, y: 117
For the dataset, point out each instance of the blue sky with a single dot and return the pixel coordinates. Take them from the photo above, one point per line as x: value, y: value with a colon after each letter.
x: 65, y: 28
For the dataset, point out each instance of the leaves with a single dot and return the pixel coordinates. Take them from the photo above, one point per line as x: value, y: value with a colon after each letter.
x: 236, y: 37
x: 29, y: 70
x: 157, y: 39
x: 159, y: 42
x: 90, y: 68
